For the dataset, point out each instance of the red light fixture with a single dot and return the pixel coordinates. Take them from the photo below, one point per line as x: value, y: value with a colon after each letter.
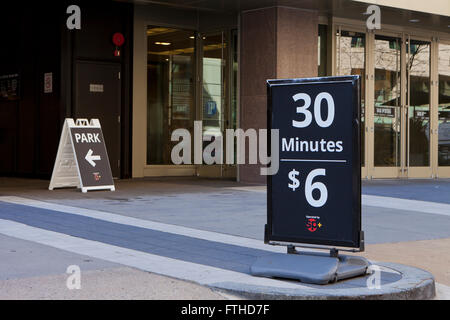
x: 118, y: 40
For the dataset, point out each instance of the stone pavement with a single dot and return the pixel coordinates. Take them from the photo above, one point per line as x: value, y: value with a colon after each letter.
x: 208, y: 210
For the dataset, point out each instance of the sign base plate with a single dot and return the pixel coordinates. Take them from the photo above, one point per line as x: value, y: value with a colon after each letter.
x: 310, y: 267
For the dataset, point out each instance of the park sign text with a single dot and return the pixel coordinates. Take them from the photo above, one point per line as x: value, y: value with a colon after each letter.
x: 315, y: 197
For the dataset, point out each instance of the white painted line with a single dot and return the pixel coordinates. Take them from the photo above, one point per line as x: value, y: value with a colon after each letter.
x: 261, y: 189
x: 385, y: 202
x: 179, y: 230
x: 179, y: 269
x: 405, y: 204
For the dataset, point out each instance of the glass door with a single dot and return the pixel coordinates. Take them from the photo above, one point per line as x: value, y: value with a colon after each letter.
x: 214, y: 85
x: 351, y: 60
x: 387, y: 107
x: 443, y: 149
x: 418, y: 97
x: 170, y: 90
x: 402, y: 115
x: 401, y: 107
x: 217, y: 93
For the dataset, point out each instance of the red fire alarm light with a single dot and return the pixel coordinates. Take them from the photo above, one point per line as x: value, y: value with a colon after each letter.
x: 118, y: 40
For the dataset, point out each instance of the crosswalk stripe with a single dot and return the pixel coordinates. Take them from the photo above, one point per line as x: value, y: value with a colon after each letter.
x: 158, y: 226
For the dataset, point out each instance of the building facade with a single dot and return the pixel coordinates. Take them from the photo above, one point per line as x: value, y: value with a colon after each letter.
x: 208, y: 61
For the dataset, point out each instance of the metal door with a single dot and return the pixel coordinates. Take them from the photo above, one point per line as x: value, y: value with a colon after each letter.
x: 97, y: 95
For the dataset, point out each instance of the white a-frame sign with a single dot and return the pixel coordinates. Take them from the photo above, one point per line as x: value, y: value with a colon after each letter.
x: 82, y: 160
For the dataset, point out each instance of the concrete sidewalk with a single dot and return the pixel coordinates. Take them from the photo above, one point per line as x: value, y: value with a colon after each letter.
x: 216, y: 205
x: 412, y: 236
x: 111, y: 284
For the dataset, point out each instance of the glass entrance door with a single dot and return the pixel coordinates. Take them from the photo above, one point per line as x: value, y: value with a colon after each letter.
x: 170, y: 89
x: 443, y: 121
x: 387, y: 107
x: 351, y: 60
x: 214, y: 101
x: 404, y: 101
x: 401, y: 108
x: 418, y: 98
x: 217, y: 92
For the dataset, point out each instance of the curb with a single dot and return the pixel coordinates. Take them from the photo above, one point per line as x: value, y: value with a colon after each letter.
x: 415, y: 284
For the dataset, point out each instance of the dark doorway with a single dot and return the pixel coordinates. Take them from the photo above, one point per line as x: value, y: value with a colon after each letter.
x: 97, y: 95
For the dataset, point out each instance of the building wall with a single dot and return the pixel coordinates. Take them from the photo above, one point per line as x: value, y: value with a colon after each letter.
x: 276, y: 42
x: 37, y: 41
x: 30, y: 126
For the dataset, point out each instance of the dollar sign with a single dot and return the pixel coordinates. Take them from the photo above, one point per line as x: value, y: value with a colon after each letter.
x: 293, y: 176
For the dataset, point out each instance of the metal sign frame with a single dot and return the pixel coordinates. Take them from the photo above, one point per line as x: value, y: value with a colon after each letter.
x: 357, y: 238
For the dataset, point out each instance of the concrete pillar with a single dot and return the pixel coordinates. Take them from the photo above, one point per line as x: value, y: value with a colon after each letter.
x: 276, y: 42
